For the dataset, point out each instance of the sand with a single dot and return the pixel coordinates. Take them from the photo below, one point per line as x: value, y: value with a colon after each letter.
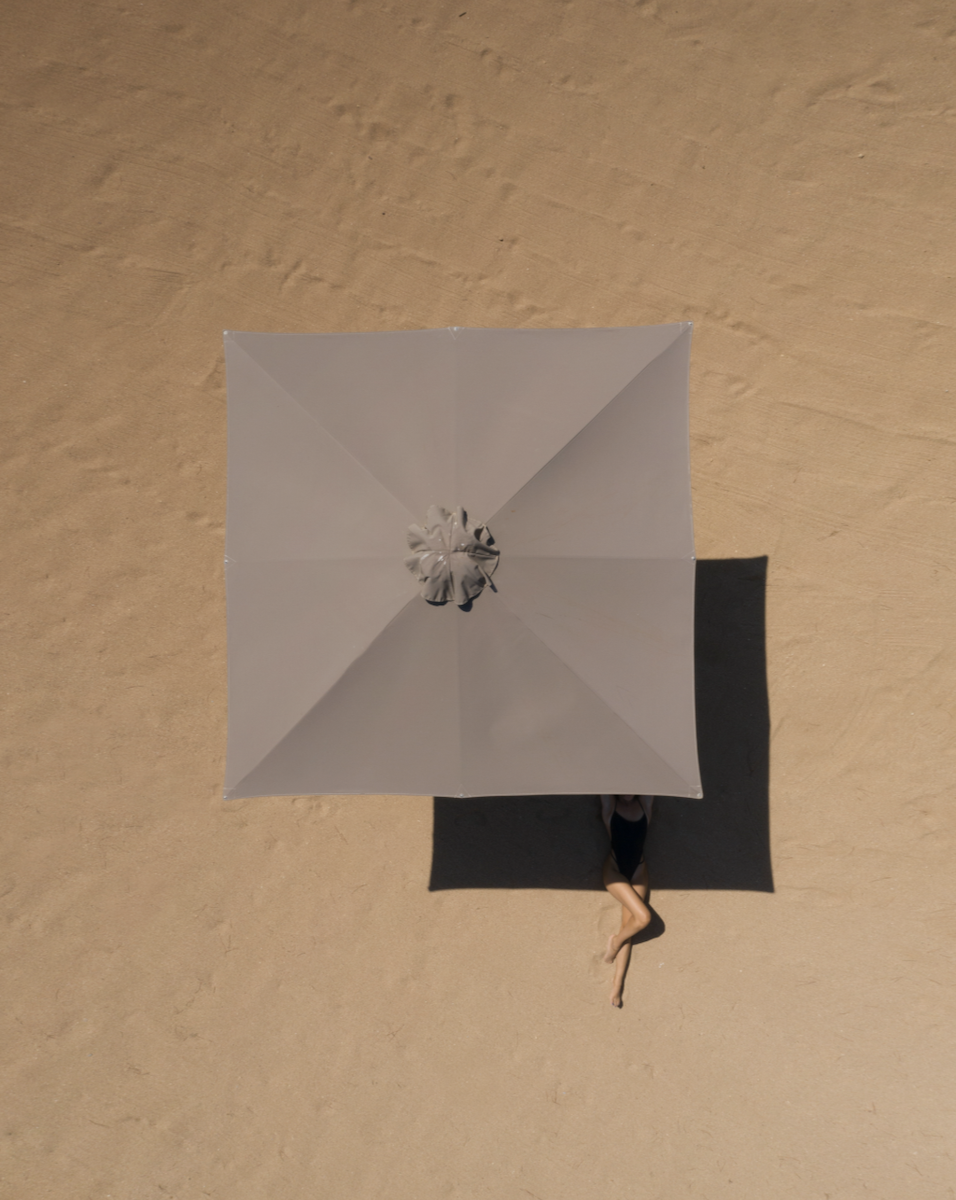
x: 264, y: 999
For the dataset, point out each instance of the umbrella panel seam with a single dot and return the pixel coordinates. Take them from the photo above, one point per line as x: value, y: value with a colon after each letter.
x: 584, y: 683
x: 684, y: 331
x: 312, y: 417
x: 319, y: 700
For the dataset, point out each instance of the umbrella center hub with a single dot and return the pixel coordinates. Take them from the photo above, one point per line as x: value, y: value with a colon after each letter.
x: 452, y: 558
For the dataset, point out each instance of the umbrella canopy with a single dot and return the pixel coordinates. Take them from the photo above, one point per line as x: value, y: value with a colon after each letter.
x: 460, y: 562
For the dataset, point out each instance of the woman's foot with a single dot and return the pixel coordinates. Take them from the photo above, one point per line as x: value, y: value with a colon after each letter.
x: 616, y: 998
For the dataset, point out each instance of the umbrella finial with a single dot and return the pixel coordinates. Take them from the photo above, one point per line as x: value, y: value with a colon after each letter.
x: 452, y: 558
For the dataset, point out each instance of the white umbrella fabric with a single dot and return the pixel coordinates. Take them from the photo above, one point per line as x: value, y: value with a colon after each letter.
x: 460, y: 562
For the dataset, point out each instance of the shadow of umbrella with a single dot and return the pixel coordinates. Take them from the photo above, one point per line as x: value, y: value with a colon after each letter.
x: 720, y: 842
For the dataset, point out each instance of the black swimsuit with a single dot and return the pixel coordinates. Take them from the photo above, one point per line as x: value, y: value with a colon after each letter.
x: 627, y: 843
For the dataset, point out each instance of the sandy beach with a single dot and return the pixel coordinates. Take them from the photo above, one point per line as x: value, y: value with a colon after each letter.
x: 324, y: 996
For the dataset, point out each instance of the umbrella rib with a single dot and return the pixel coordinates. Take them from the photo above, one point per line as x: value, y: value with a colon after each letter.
x: 345, y: 450
x: 584, y: 683
x: 576, y: 558
x: 587, y: 424
x: 335, y: 558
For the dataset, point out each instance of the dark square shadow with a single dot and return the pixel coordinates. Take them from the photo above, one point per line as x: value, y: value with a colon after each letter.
x: 721, y: 842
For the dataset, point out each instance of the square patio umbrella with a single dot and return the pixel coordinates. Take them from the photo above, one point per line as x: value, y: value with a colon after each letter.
x: 460, y: 562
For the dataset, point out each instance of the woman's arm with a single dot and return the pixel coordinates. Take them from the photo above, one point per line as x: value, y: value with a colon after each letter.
x: 607, y: 810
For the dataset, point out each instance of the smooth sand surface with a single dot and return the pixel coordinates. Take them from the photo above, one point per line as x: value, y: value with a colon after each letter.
x: 263, y: 1000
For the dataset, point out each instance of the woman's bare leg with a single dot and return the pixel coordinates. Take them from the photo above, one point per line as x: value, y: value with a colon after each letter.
x: 631, y: 897
x: 640, y: 885
x: 621, y: 964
